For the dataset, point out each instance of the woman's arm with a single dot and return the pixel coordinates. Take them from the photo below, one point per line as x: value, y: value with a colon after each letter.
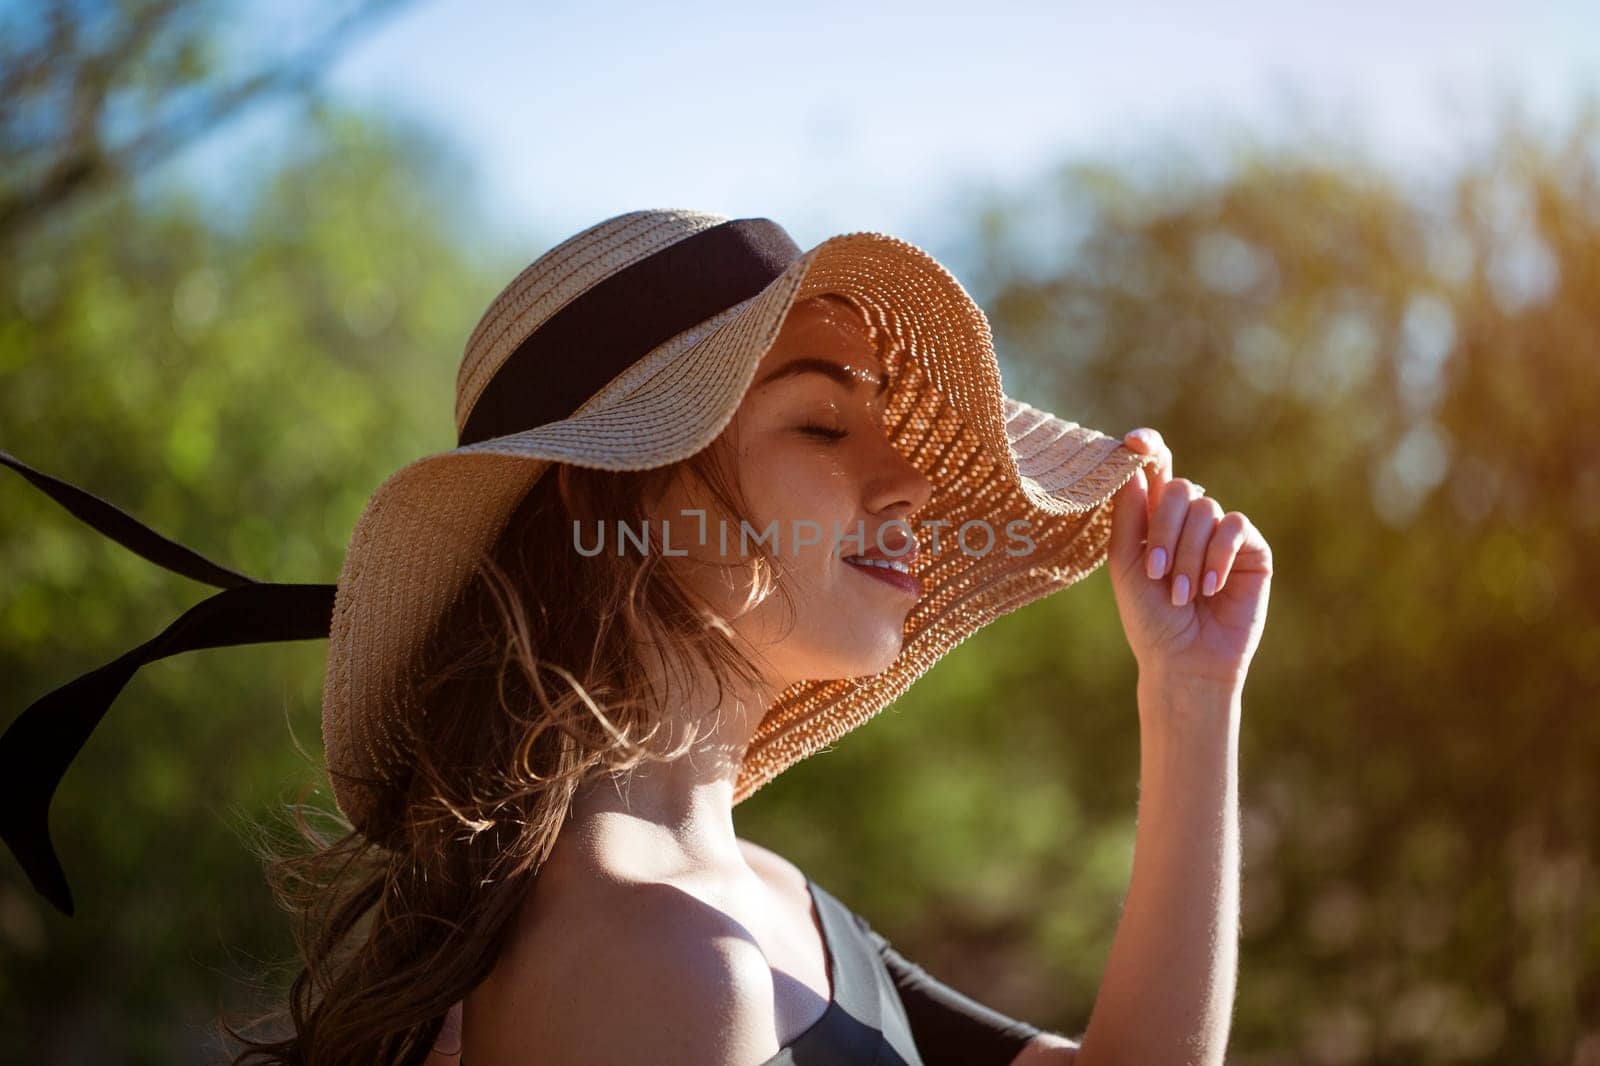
x: 1167, y: 995
x: 1191, y: 583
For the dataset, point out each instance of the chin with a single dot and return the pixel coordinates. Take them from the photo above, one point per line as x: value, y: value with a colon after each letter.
x: 869, y: 655
x: 867, y: 643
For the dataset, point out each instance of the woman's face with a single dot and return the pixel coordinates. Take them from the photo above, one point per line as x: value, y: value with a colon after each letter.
x: 813, y: 457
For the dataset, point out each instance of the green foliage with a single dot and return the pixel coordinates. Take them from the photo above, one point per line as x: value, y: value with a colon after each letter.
x: 243, y: 390
x: 1401, y: 387
x: 1398, y: 385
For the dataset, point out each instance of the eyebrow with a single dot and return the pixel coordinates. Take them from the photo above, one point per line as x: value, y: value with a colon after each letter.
x: 833, y: 370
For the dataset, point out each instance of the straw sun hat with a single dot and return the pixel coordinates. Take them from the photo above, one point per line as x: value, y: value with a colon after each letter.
x: 627, y: 346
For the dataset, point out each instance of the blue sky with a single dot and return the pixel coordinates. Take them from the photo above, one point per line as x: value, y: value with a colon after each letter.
x: 830, y: 116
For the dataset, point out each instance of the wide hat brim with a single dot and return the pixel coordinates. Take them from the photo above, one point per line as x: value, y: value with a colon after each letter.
x: 990, y: 459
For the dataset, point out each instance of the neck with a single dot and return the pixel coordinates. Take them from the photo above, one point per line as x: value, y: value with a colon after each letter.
x: 672, y: 818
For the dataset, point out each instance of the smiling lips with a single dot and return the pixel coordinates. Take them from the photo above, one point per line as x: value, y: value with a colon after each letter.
x: 896, y: 571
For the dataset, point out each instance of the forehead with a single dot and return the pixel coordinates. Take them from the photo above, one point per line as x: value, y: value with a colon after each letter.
x: 826, y: 330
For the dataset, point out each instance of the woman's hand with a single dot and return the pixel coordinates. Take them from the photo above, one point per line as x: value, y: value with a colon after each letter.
x: 1168, y: 538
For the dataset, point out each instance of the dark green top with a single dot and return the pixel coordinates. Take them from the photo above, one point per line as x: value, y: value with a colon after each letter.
x: 887, y: 1011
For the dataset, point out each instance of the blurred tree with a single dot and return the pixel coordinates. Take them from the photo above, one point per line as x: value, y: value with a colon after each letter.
x: 1401, y: 386
x: 1398, y: 384
x: 243, y: 392
x: 93, y: 91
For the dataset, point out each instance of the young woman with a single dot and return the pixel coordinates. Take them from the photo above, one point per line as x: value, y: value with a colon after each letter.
x: 538, y: 721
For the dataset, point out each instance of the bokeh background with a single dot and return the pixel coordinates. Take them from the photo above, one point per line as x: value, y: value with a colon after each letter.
x: 1346, y: 260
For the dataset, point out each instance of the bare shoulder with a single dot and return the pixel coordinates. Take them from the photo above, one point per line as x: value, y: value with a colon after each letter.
x: 776, y: 869
x: 691, y: 984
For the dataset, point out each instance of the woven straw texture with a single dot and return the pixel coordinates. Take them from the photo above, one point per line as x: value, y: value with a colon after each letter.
x: 990, y: 459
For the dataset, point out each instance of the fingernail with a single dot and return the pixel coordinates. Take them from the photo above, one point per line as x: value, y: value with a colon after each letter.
x: 1209, y: 585
x: 1180, y: 590
x: 1156, y: 565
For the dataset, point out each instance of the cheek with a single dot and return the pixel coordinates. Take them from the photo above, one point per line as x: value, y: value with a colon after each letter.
x: 793, y: 483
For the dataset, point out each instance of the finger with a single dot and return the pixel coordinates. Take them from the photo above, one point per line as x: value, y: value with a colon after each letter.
x: 1150, y: 441
x: 1255, y: 555
x: 1226, y: 541
x: 1199, y: 522
x: 1144, y: 439
x: 1166, y: 521
x: 1147, y: 441
x: 1129, y: 520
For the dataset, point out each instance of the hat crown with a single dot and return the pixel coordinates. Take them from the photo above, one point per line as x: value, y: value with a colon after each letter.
x: 558, y: 277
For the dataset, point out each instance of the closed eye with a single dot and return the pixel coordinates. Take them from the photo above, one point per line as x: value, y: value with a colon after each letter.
x: 826, y: 432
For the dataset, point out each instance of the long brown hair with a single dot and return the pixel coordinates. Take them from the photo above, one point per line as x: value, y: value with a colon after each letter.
x: 536, y: 683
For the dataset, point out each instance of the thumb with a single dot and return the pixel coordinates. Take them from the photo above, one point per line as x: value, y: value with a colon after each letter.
x: 1130, y: 523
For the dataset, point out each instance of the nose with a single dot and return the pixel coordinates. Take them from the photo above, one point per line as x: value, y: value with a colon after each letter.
x: 897, y: 484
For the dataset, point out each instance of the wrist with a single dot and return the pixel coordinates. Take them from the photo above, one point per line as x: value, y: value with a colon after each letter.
x: 1158, y: 679
x: 1170, y: 701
